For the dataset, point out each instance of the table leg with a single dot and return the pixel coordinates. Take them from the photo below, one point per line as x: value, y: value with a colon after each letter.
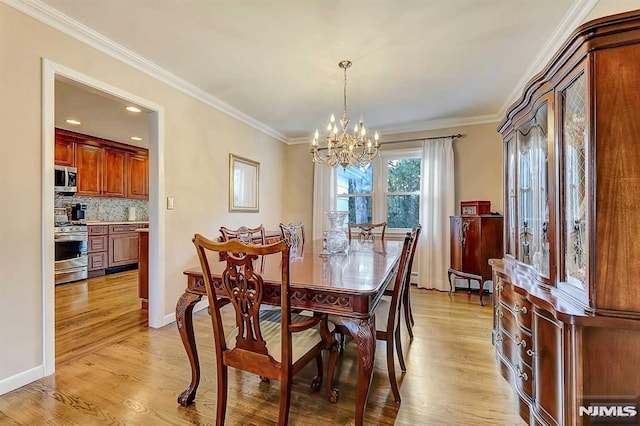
x: 364, y: 334
x: 184, y: 320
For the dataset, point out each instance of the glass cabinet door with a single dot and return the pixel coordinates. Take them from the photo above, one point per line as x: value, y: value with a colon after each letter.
x: 573, y: 181
x: 510, y: 177
x: 532, y: 196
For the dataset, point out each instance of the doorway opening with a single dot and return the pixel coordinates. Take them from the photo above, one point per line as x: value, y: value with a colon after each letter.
x: 57, y: 78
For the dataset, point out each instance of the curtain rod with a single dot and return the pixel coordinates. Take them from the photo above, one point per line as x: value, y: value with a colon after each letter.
x: 458, y: 135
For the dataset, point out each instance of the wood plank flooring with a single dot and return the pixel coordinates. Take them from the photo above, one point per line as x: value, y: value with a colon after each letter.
x: 113, y: 370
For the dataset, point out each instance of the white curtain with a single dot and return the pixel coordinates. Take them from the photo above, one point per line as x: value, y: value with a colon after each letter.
x: 437, y: 204
x: 324, y: 197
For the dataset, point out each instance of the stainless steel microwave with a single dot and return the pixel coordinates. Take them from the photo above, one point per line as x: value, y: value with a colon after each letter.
x: 66, y: 179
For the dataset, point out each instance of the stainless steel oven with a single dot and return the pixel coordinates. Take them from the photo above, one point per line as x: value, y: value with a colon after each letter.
x: 70, y: 252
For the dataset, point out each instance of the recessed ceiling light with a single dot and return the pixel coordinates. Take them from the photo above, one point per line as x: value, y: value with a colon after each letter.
x: 136, y: 138
x: 133, y: 109
x: 73, y: 122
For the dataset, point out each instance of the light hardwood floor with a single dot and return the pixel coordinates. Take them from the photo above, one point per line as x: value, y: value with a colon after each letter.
x: 113, y: 370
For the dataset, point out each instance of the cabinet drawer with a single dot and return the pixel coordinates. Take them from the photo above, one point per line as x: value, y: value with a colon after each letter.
x: 506, y: 295
x: 524, y: 378
x: 126, y: 228
x: 97, y: 229
x: 97, y: 243
x: 506, y: 320
x: 522, y: 311
x: 97, y: 261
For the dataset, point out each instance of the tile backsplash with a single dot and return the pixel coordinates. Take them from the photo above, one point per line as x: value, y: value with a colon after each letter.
x: 106, y: 209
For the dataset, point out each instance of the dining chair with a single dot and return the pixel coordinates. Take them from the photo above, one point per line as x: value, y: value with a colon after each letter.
x: 272, y: 343
x: 255, y: 235
x: 365, y: 231
x: 406, y: 296
x: 294, y: 233
x: 387, y: 314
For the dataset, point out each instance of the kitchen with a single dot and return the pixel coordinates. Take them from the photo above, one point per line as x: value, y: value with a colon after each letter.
x: 101, y: 187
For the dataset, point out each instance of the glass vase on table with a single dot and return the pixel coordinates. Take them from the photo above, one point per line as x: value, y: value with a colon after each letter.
x: 337, y: 240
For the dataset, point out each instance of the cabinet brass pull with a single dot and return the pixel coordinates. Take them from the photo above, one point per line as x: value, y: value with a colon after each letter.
x: 521, y: 374
x: 499, y: 338
x: 499, y: 287
x: 522, y: 310
x: 521, y: 342
x: 499, y: 313
x: 530, y: 353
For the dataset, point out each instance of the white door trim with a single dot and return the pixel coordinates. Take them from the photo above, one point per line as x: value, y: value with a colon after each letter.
x: 50, y: 70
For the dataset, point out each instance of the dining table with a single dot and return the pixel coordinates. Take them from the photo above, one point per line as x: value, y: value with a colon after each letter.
x: 348, y: 284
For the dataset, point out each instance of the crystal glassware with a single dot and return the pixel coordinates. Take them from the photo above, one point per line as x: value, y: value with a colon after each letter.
x: 337, y: 240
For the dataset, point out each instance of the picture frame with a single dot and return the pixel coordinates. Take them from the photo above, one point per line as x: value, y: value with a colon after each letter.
x: 244, y: 184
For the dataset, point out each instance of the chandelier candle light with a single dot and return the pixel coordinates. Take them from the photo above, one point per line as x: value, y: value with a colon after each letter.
x: 346, y: 148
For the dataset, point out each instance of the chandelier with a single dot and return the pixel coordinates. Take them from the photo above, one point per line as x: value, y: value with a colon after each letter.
x: 340, y: 146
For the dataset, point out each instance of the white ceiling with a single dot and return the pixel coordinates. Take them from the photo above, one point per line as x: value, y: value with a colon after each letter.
x: 100, y: 114
x: 417, y: 64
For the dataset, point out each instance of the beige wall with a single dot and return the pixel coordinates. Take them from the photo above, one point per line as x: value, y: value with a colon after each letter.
x: 611, y: 7
x: 298, y: 184
x: 198, y: 140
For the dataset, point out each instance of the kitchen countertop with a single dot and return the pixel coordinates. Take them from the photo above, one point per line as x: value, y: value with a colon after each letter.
x: 117, y: 222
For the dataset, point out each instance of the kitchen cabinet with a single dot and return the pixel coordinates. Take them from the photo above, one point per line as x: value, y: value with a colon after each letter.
x: 474, y: 240
x: 105, y: 168
x: 90, y: 165
x: 64, y: 153
x: 112, y: 246
x: 138, y: 176
x: 570, y: 270
x: 123, y: 245
x: 114, y: 173
x: 97, y: 249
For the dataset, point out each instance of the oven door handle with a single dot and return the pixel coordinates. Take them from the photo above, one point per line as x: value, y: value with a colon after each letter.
x: 70, y: 238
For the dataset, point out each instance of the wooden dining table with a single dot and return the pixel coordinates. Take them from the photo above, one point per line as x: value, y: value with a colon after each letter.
x: 349, y: 285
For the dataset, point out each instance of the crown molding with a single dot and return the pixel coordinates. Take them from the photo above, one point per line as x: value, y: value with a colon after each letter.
x: 421, y: 126
x: 572, y: 19
x: 55, y: 19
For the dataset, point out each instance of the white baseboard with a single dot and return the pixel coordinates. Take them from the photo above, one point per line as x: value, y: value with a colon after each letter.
x: 21, y: 379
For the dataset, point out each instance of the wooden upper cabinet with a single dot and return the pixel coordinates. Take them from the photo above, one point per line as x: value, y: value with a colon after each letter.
x: 114, y: 182
x: 105, y: 168
x: 138, y: 176
x: 89, y: 161
x: 64, y: 152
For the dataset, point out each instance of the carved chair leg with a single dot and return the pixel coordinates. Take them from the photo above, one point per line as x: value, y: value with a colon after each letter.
x: 316, y: 382
x: 332, y: 393
x: 391, y: 367
x: 285, y: 398
x: 399, y: 349
x: 221, y: 403
x: 408, y: 316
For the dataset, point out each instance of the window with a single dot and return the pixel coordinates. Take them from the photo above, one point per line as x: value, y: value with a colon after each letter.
x: 355, y: 192
x: 402, y: 192
x: 386, y: 190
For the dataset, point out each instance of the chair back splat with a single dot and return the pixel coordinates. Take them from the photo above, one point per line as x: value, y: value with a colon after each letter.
x: 245, y: 234
x: 294, y: 234
x: 272, y: 343
x: 365, y: 231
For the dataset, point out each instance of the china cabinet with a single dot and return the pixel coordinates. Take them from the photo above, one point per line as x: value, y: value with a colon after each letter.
x: 566, y: 319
